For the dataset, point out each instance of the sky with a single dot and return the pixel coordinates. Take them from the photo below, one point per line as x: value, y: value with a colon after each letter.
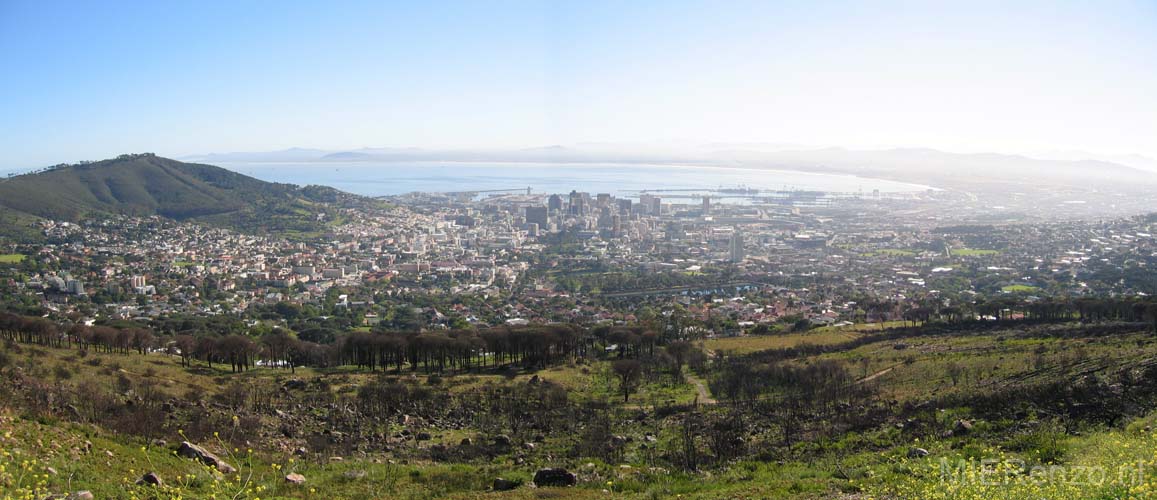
x: 89, y: 80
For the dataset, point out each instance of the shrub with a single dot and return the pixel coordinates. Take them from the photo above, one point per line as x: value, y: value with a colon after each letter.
x: 62, y: 372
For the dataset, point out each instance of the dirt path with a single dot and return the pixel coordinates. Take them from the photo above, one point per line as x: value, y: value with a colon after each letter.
x: 876, y: 375
x: 701, y: 388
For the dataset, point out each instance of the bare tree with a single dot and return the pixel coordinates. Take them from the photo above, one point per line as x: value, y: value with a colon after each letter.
x: 629, y: 372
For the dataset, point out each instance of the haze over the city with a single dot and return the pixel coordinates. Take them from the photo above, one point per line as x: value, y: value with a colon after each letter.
x: 1056, y: 80
x: 648, y: 249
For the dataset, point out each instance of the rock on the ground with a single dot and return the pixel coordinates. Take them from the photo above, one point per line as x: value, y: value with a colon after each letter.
x: 151, y: 478
x: 81, y: 495
x: 355, y: 474
x: 295, y: 478
x: 917, y: 453
x: 962, y: 427
x: 555, y: 477
x: 505, y: 484
x: 190, y: 450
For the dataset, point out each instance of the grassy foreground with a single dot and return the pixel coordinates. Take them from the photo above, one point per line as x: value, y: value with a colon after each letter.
x: 1031, y: 450
x: 38, y: 459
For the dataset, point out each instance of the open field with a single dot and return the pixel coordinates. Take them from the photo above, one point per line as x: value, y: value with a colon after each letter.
x: 754, y: 343
x: 11, y: 258
x: 973, y: 252
x: 926, y: 366
x: 892, y: 252
x: 863, y: 327
x: 1019, y: 288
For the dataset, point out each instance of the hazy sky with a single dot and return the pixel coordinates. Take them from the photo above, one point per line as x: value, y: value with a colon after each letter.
x: 88, y: 80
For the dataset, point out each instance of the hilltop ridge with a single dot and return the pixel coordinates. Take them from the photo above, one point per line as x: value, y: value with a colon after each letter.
x: 146, y: 185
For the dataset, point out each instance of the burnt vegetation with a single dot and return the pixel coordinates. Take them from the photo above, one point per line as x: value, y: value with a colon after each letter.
x: 396, y: 392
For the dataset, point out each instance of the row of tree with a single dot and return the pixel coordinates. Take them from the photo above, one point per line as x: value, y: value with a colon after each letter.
x: 532, y: 346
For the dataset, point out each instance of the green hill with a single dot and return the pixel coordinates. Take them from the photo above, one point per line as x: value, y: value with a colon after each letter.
x: 145, y: 184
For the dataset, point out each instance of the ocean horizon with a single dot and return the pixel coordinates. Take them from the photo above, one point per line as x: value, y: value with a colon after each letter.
x: 619, y: 179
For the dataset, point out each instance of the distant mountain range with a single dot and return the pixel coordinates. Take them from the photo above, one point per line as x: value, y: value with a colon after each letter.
x: 145, y: 184
x: 925, y: 166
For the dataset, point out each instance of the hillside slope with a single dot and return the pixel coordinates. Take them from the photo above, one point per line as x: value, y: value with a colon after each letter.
x: 145, y: 184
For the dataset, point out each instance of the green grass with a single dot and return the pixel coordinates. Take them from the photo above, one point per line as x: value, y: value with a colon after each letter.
x: 872, y: 462
x: 111, y: 466
x: 863, y: 327
x: 754, y: 343
x: 973, y: 252
x: 12, y: 258
x: 992, y: 360
x: 1105, y: 464
x: 113, y: 463
x: 1019, y: 288
x: 892, y: 252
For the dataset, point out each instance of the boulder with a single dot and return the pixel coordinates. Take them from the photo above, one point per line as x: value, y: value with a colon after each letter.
x: 502, y: 440
x: 295, y: 384
x: 151, y: 478
x: 917, y: 453
x: 355, y: 474
x: 424, y: 436
x: 190, y: 450
x: 81, y: 495
x: 505, y: 484
x: 962, y: 427
x: 554, y: 477
x: 295, y: 478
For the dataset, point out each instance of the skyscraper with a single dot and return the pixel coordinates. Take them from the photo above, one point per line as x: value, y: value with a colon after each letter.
x: 651, y: 204
x: 624, y: 206
x: 579, y: 203
x: 537, y: 215
x: 736, y: 246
